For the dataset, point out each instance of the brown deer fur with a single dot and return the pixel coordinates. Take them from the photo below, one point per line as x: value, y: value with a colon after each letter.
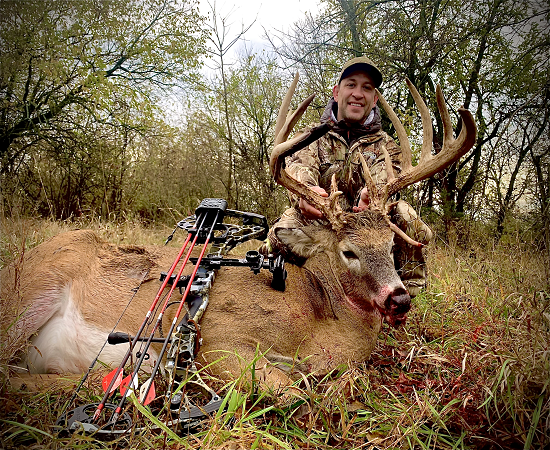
x: 74, y: 287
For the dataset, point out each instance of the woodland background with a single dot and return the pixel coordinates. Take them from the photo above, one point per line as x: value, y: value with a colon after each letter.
x: 88, y: 124
x: 123, y: 115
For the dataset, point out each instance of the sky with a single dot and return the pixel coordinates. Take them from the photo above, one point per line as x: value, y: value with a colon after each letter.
x: 267, y: 14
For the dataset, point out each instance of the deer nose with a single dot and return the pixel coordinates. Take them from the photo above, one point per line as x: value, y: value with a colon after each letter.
x: 398, y: 302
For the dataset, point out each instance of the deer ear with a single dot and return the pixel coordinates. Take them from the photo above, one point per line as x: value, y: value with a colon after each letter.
x: 298, y: 241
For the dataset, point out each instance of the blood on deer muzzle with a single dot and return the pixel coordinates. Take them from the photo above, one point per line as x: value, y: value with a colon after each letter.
x: 397, y: 305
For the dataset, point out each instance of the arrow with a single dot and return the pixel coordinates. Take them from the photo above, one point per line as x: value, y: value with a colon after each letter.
x: 147, y: 392
x: 127, y: 383
x: 110, y: 385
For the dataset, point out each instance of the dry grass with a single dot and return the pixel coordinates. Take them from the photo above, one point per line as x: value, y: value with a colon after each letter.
x: 471, y: 369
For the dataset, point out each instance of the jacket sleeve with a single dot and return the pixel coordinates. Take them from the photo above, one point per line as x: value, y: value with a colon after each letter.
x: 378, y: 167
x: 304, y: 165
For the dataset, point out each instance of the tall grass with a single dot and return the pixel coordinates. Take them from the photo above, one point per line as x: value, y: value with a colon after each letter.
x: 470, y: 369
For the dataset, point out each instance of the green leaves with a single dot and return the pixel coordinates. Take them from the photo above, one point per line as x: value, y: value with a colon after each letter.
x: 79, y: 86
x: 57, y: 56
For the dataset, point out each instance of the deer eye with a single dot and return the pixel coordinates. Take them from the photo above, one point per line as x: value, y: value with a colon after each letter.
x: 348, y: 254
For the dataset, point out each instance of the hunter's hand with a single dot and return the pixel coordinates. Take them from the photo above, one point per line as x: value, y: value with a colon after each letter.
x: 308, y: 211
x: 363, y: 201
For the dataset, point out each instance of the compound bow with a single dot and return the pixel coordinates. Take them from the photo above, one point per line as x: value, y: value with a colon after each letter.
x: 182, y: 343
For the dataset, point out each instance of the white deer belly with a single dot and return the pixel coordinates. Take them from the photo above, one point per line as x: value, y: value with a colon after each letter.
x: 68, y: 344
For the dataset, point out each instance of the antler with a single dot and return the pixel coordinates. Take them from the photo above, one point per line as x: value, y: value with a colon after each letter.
x: 329, y: 206
x: 429, y: 164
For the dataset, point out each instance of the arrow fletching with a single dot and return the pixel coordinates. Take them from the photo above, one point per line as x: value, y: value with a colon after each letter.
x: 107, y: 381
x: 128, y: 383
x: 146, y: 399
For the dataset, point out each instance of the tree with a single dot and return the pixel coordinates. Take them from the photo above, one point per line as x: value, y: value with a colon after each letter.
x: 72, y: 69
x: 260, y: 87
x: 219, y: 48
x: 540, y: 165
x: 239, y: 105
x: 488, y: 56
x: 512, y: 158
x: 245, y: 101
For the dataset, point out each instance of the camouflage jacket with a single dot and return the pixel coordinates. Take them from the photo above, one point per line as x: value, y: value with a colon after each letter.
x: 337, y: 153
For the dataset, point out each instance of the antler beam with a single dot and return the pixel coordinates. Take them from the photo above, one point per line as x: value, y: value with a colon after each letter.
x: 429, y: 164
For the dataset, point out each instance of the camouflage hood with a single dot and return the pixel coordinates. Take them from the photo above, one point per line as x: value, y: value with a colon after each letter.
x: 351, y: 131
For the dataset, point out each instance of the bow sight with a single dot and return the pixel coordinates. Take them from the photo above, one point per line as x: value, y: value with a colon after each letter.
x: 182, y: 343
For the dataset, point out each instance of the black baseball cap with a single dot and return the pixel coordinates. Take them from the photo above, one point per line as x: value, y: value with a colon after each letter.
x: 361, y: 63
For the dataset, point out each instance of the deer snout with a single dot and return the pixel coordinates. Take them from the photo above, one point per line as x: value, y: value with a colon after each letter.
x: 397, y: 305
x: 398, y: 301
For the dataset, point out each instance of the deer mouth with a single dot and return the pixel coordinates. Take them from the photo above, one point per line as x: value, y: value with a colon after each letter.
x: 393, y: 306
x: 394, y: 320
x: 393, y: 311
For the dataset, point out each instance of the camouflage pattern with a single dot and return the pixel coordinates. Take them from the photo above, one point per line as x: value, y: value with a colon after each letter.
x: 315, y: 165
x: 410, y: 261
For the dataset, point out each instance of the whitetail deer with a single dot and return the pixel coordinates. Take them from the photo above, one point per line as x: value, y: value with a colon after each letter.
x: 74, y: 287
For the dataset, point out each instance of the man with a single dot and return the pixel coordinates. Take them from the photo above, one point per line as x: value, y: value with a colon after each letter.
x: 356, y: 128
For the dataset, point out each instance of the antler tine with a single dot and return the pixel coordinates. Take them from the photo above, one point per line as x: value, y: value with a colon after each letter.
x: 286, y: 120
x: 468, y: 133
x: 283, y: 148
x: 401, y: 133
x: 379, y: 199
x: 367, y: 177
x: 402, y: 234
x: 284, y: 109
x: 378, y: 196
x: 429, y: 164
x: 445, y: 116
x: 427, y: 127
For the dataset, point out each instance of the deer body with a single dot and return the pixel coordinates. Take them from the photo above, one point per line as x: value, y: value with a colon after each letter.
x: 75, y: 287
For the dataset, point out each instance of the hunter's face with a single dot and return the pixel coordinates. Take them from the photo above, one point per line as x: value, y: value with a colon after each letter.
x: 356, y: 96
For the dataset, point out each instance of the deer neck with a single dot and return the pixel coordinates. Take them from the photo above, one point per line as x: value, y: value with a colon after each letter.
x: 325, y: 290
